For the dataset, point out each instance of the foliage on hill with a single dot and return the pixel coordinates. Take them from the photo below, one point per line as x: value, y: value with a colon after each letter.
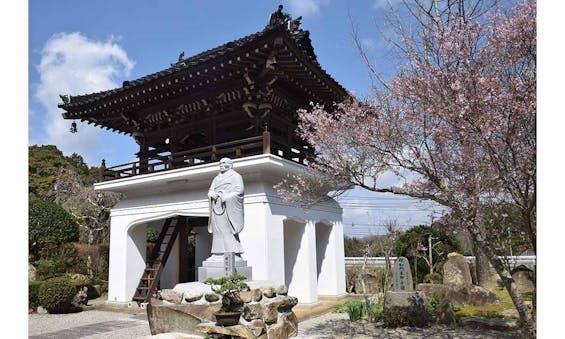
x: 45, y: 164
x: 67, y: 181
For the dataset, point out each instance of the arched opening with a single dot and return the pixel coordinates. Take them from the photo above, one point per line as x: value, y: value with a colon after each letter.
x: 293, y: 231
x: 323, y: 231
x: 152, y: 240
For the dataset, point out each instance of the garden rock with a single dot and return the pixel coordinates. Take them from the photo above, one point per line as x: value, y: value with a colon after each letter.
x: 268, y: 292
x: 257, y: 326
x: 523, y: 277
x: 286, y: 326
x: 31, y: 272
x: 371, y: 283
x: 192, y: 296
x: 456, y: 271
x: 405, y: 309
x: 282, y: 290
x: 256, y: 294
x: 193, y: 287
x: 445, y: 314
x: 171, y: 296
x: 284, y: 303
x: 234, y: 331
x: 270, y: 313
x: 178, y: 318
x: 81, y: 298
x: 253, y: 310
x: 245, y: 296
x: 468, y: 295
x: 211, y: 297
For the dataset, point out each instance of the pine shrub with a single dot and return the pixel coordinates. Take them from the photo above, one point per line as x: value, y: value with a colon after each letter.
x: 56, y: 295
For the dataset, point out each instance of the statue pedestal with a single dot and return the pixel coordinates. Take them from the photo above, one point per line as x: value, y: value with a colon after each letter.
x: 214, y: 267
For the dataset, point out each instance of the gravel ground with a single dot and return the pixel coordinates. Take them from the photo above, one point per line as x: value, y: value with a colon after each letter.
x: 337, y: 325
x: 96, y: 324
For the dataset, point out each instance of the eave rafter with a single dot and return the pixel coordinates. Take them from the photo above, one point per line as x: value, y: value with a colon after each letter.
x: 243, y: 77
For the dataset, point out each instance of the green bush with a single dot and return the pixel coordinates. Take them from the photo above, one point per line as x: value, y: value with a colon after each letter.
x: 152, y: 234
x: 432, y: 302
x: 229, y: 287
x: 434, y: 278
x: 33, y: 294
x: 407, y: 246
x: 56, y: 295
x: 357, y: 309
x: 48, y: 222
x: 57, y: 259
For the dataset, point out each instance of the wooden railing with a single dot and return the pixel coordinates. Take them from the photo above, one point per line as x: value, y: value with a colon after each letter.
x: 262, y: 144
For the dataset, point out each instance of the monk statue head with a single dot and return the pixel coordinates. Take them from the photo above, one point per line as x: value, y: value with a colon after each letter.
x: 225, y: 164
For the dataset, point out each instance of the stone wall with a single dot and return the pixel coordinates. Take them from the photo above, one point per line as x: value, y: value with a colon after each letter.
x: 266, y: 311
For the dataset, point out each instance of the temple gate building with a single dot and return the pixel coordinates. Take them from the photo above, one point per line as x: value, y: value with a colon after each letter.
x: 238, y: 100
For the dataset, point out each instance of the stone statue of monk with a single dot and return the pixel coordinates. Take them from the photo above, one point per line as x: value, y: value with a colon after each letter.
x: 226, y: 209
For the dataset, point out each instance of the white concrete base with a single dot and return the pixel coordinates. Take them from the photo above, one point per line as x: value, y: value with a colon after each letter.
x: 213, y: 267
x: 302, y: 249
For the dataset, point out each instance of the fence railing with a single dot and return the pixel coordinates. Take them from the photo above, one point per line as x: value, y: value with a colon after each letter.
x: 262, y: 144
x: 516, y: 260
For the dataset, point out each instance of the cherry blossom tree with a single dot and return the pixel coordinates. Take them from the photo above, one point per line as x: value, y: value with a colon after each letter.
x: 459, y: 117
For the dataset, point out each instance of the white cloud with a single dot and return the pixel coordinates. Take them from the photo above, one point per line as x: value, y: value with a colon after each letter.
x: 71, y: 63
x: 385, y: 4
x: 306, y: 7
x: 368, y: 43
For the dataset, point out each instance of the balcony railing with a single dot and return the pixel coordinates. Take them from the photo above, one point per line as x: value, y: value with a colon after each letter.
x: 262, y: 144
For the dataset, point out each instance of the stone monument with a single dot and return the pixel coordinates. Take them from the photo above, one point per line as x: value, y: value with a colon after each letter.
x: 402, y: 277
x: 226, y: 221
x: 403, y: 306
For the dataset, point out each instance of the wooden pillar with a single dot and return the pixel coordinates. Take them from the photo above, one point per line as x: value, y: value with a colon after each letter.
x: 266, y: 142
x: 143, y: 159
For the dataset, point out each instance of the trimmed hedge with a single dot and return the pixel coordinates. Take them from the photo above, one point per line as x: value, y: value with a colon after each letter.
x: 33, y: 294
x: 49, y: 222
x: 56, y: 295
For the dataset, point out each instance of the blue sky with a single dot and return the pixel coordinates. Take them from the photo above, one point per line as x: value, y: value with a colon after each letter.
x: 79, y: 47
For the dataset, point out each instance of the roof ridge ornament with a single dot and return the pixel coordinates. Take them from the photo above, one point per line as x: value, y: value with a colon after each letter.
x: 279, y: 18
x: 66, y: 98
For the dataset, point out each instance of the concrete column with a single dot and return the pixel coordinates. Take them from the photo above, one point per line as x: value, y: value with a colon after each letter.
x: 275, y: 249
x: 127, y: 259
x: 331, y: 265
x: 254, y: 239
x: 300, y: 260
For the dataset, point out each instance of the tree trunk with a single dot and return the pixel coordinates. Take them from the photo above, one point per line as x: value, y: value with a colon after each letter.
x: 481, y: 267
x: 507, y: 281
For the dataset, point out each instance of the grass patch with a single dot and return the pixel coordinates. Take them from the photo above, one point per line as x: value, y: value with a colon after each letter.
x: 491, y: 311
x: 357, y: 309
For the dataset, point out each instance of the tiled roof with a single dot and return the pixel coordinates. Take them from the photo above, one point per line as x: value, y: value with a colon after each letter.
x: 300, y: 37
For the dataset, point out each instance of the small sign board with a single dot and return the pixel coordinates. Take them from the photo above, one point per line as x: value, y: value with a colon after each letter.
x: 229, y: 263
x: 402, y: 277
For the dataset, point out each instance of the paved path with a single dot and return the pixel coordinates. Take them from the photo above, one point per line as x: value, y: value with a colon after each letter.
x: 98, y: 324
x: 89, y: 325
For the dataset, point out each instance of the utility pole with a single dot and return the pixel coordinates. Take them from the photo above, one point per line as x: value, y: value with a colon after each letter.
x: 430, y: 253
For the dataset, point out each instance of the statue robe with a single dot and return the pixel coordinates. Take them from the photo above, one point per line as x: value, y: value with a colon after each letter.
x: 226, y: 213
